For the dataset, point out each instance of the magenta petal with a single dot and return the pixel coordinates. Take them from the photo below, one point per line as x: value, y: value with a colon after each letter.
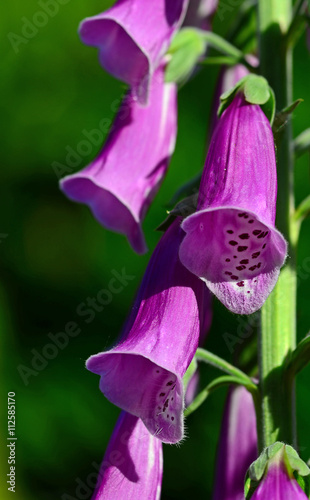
x: 133, y: 36
x: 143, y: 373
x: 278, y: 485
x: 132, y: 467
x: 238, y: 445
x: 121, y: 182
x: 231, y: 242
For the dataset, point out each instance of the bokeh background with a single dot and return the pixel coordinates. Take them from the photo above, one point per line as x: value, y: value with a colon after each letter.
x: 54, y: 256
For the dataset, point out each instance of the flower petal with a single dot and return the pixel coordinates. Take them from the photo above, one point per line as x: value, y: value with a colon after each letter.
x: 121, y: 182
x: 133, y: 36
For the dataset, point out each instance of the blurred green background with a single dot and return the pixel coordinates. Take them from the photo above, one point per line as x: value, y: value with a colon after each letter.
x: 54, y: 255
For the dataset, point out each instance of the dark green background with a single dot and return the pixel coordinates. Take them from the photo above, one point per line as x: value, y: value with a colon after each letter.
x: 55, y: 255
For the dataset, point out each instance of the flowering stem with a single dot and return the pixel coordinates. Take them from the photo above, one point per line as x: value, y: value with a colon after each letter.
x: 278, y: 326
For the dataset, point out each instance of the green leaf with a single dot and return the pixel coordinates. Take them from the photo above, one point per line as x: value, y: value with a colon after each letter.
x: 256, y: 89
x: 185, y: 50
x: 302, y: 143
x: 299, y: 358
x: 303, y: 210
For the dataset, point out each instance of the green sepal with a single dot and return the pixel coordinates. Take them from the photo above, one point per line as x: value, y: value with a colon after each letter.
x: 281, y: 117
x: 256, y: 90
x: 295, y: 466
x: 302, y: 143
x: 185, y: 50
x: 183, y: 209
x: 299, y: 358
x: 189, y: 188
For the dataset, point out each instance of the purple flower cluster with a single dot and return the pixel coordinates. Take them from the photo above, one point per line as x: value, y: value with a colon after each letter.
x: 229, y: 246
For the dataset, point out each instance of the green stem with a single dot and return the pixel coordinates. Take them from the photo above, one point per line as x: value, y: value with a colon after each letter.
x: 278, y: 325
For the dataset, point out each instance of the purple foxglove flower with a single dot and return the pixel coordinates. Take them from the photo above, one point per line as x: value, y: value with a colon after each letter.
x: 229, y: 76
x: 205, y: 321
x: 132, y: 467
x: 237, y: 446
x: 143, y: 373
x: 279, y: 484
x: 132, y: 37
x: 231, y: 242
x: 200, y: 13
x: 121, y: 182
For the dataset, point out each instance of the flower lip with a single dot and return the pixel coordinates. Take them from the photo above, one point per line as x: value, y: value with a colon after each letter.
x: 107, y: 207
x: 145, y: 389
x: 236, y: 254
x: 109, y: 34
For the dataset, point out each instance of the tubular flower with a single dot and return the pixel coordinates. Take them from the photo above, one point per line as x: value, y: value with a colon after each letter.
x: 206, y: 320
x: 132, y: 467
x: 132, y: 37
x: 237, y: 446
x: 279, y: 482
x: 231, y: 242
x: 143, y: 373
x: 121, y: 182
x: 200, y: 13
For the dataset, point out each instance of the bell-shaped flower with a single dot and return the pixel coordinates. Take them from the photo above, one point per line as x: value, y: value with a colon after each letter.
x: 278, y: 481
x: 132, y: 37
x: 143, y: 373
x: 237, y: 446
x: 200, y: 13
x: 231, y: 241
x: 132, y: 467
x: 121, y: 182
x: 205, y: 322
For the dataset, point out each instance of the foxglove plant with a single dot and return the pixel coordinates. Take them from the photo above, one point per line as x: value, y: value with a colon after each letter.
x: 132, y: 466
x: 121, y: 182
x: 228, y: 244
x: 142, y: 373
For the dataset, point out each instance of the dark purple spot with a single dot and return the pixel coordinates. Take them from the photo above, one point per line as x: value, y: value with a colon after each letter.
x: 263, y: 235
x: 264, y: 245
x: 246, y: 216
x: 258, y: 265
x: 162, y: 394
x: 169, y: 383
x: 157, y: 371
x: 166, y: 403
x: 172, y: 418
x: 240, y: 268
x: 171, y: 399
x: 241, y: 249
x: 233, y: 243
x: 242, y: 215
x: 227, y: 260
x: 158, y: 407
x: 256, y: 232
x: 251, y: 221
x: 248, y: 292
x: 234, y: 277
x: 244, y: 261
x: 240, y: 283
x: 255, y: 255
x: 228, y: 273
x: 252, y: 268
x: 230, y: 231
x: 235, y: 256
x: 255, y: 281
x: 244, y: 236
